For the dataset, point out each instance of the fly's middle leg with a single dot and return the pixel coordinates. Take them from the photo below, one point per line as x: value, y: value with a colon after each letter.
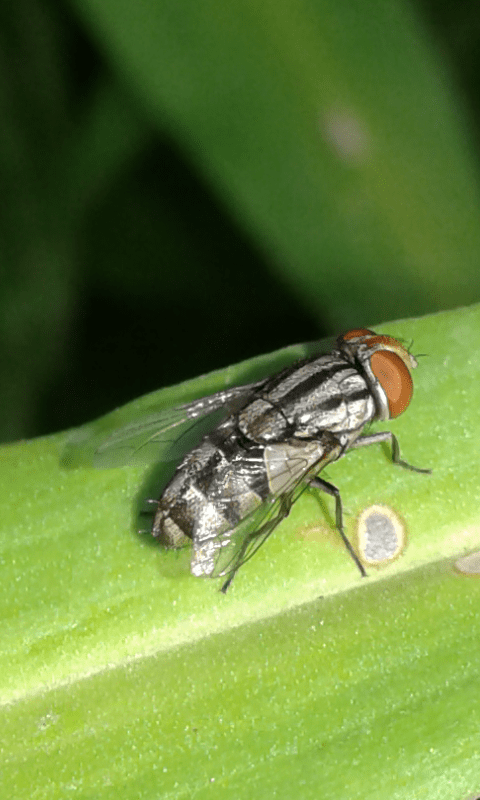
x: 388, y: 436
x: 333, y: 491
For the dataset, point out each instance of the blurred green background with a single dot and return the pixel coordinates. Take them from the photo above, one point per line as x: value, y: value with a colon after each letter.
x: 189, y: 184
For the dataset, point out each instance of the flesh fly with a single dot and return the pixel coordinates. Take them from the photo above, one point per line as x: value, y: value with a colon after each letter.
x: 231, y: 491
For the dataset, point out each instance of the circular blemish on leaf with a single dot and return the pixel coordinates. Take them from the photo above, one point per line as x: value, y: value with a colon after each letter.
x: 347, y: 134
x: 381, y: 535
x: 469, y: 565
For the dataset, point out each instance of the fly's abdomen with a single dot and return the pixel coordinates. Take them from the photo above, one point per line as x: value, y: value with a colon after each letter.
x: 213, y: 489
x: 231, y: 498
x: 183, y: 497
x: 175, y: 516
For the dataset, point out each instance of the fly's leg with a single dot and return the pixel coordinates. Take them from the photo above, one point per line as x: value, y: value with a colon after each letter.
x: 397, y: 460
x: 235, y: 569
x: 333, y: 491
x: 264, y: 531
x: 388, y: 436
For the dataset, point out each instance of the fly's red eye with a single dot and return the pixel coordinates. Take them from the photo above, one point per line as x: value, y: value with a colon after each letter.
x: 355, y: 333
x: 394, y: 378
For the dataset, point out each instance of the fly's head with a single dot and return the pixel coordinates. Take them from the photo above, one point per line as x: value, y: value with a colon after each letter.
x: 386, y: 366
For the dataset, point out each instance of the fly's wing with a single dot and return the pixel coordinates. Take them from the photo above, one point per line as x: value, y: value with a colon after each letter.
x: 140, y: 441
x: 288, y: 466
x: 253, y: 532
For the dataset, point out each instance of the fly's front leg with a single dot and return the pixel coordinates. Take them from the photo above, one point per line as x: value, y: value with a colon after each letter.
x: 333, y: 491
x: 388, y: 436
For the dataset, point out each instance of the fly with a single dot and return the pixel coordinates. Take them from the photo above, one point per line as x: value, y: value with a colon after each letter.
x: 231, y: 491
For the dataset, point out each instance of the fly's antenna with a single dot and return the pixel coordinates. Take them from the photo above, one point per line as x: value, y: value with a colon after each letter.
x: 410, y: 350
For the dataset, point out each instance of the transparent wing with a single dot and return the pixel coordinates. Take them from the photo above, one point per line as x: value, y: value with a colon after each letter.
x: 253, y: 532
x: 141, y: 440
x: 289, y: 467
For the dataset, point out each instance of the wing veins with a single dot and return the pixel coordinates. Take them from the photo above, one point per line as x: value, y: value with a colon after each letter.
x: 154, y: 426
x: 273, y: 516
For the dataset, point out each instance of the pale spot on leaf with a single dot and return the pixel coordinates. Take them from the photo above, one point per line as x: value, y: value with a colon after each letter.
x: 347, y: 134
x: 381, y: 535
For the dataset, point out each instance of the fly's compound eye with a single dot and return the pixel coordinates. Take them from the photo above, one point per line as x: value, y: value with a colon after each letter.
x: 355, y: 334
x: 385, y: 359
x: 394, y: 378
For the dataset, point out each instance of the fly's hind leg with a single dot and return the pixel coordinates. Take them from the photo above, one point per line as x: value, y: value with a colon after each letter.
x: 388, y: 436
x: 333, y: 491
x: 258, y: 536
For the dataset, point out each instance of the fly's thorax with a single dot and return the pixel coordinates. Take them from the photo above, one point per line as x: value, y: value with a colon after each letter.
x: 326, y: 393
x: 262, y: 421
x: 342, y: 406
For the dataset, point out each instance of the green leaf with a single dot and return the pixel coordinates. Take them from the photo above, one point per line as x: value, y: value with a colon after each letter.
x: 121, y: 674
